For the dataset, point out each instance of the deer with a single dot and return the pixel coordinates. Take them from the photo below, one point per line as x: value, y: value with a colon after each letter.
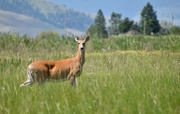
x: 61, y: 70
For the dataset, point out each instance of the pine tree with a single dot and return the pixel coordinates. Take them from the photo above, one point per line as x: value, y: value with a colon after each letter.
x: 100, y: 25
x: 125, y: 25
x: 114, y: 24
x: 149, y: 22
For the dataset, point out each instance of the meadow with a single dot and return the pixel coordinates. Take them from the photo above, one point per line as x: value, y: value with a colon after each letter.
x: 124, y: 75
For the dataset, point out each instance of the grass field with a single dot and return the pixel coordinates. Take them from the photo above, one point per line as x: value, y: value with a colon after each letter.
x: 113, y: 82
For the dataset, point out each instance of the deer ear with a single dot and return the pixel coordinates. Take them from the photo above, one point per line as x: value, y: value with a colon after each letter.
x: 87, y: 38
x: 76, y: 38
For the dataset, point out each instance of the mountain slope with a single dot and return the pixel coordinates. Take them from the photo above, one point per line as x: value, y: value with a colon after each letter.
x: 56, y: 15
x: 13, y: 22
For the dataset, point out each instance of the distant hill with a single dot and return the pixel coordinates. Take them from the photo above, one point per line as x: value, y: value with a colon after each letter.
x: 41, y: 15
x: 18, y: 23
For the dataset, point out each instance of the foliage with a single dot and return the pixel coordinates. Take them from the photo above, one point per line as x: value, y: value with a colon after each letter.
x: 100, y: 25
x: 125, y: 25
x: 92, y: 30
x: 98, y: 29
x: 114, y: 24
x: 116, y: 27
x: 135, y: 27
x: 149, y: 22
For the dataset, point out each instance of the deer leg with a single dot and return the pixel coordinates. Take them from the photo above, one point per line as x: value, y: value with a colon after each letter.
x: 30, y: 79
x: 73, y: 81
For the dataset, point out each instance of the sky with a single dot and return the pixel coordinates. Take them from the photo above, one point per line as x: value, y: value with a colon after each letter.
x: 127, y: 8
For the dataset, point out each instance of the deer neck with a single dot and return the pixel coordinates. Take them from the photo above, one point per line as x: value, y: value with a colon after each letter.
x: 81, y: 56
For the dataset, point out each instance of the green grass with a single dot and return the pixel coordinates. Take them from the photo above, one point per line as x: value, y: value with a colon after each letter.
x: 118, y: 82
x: 113, y: 81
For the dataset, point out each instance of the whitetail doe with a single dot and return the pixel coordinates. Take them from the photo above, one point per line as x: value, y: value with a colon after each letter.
x: 68, y: 69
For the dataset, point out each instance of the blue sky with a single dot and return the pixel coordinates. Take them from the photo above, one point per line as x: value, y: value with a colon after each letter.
x: 128, y: 8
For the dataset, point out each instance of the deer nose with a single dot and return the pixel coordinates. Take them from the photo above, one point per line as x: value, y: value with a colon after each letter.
x: 81, y: 48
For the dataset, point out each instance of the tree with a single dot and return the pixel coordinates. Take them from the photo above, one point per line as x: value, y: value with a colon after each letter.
x: 149, y: 22
x: 114, y: 23
x: 125, y: 25
x: 135, y: 27
x: 92, y: 30
x: 100, y: 24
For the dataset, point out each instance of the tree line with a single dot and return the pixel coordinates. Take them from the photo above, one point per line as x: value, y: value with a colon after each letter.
x: 149, y: 24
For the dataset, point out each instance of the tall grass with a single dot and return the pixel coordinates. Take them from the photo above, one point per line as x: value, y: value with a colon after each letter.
x: 166, y: 43
x: 16, y: 43
x: 113, y: 81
